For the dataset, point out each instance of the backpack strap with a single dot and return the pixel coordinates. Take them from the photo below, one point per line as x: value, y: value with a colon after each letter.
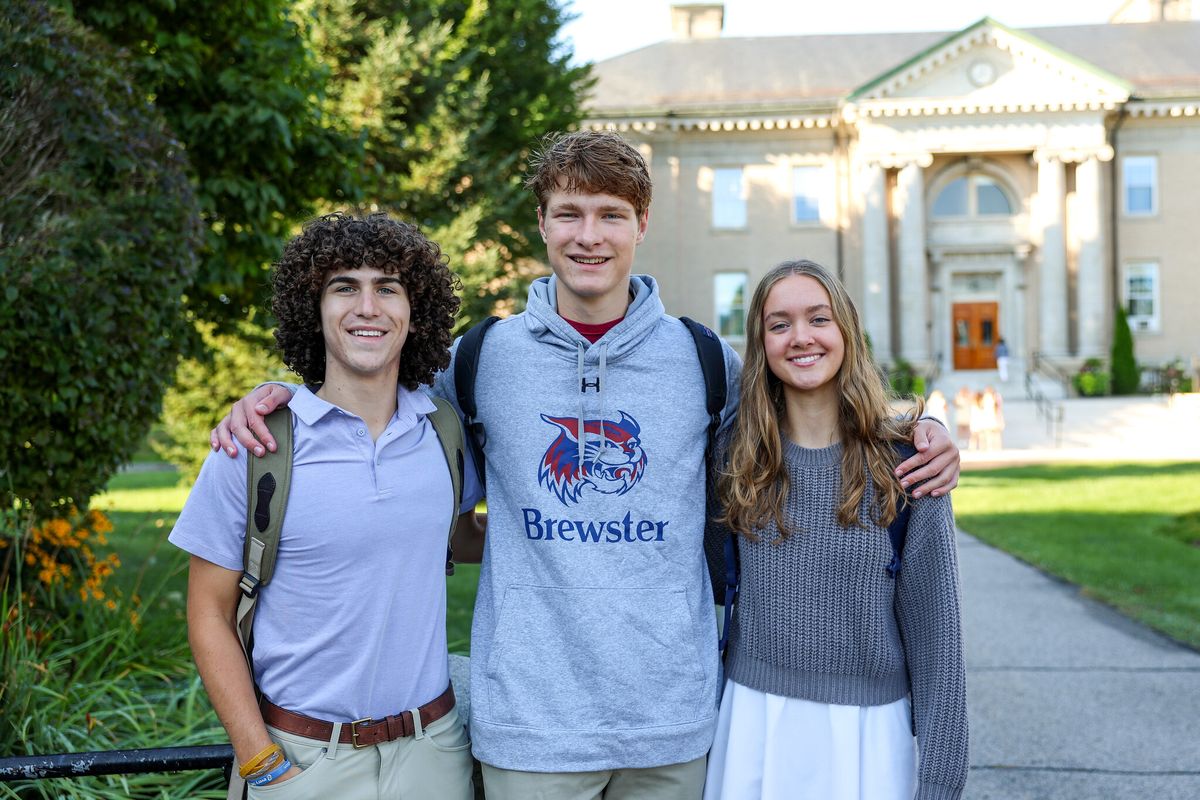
x: 466, y: 365
x: 450, y: 433
x: 712, y: 364
x: 898, y: 530
x: 268, y: 481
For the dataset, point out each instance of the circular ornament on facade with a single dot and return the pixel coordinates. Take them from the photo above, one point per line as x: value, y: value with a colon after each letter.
x: 981, y: 72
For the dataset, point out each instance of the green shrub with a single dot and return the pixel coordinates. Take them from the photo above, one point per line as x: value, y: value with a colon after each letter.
x: 98, y: 236
x: 903, y: 379
x: 1125, y: 376
x: 1092, y: 380
x: 205, y: 388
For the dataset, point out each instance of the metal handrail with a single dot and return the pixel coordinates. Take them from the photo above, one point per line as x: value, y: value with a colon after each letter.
x: 117, y: 762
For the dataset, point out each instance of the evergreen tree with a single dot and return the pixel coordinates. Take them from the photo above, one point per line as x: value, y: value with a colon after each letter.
x: 451, y: 95
x: 1124, y: 366
x: 242, y: 91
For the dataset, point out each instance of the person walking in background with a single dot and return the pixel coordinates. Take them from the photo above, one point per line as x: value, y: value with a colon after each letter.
x: 834, y: 659
x: 993, y: 409
x: 1001, y: 353
x: 964, y: 402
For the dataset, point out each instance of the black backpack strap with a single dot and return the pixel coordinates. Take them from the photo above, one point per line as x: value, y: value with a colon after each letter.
x: 898, y: 530
x: 712, y: 364
x: 466, y: 366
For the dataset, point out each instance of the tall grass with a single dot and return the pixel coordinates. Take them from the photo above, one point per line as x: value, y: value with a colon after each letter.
x: 78, y: 676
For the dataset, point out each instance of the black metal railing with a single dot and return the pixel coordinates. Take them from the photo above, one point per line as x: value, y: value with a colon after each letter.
x: 117, y: 762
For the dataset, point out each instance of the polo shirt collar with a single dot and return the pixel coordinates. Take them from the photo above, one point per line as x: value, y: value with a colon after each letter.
x: 311, y: 409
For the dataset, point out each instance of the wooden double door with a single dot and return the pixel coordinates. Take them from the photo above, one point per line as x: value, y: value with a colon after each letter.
x: 975, y: 329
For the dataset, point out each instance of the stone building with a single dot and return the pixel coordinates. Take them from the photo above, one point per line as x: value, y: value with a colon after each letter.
x: 967, y: 186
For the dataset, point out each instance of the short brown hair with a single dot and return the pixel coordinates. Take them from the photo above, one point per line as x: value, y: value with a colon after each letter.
x: 598, y: 162
x: 341, y: 241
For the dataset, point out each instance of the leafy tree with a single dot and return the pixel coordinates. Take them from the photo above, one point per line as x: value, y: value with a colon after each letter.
x: 241, y: 89
x: 98, y: 240
x: 1124, y: 366
x: 235, y: 361
x: 451, y: 95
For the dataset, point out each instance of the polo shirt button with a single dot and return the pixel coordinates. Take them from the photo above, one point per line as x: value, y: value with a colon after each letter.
x: 362, y: 432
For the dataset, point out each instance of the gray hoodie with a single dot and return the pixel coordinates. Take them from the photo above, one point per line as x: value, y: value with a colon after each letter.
x: 594, y: 642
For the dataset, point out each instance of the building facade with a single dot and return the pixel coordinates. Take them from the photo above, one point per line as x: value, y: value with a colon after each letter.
x: 968, y: 186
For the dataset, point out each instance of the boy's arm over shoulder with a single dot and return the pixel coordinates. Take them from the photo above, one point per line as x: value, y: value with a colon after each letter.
x: 246, y: 421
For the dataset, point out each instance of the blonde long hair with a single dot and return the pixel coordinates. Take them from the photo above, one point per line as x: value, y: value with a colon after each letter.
x: 753, y: 485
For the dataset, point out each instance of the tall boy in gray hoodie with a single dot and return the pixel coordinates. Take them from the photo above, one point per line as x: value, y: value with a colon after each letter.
x: 594, y: 658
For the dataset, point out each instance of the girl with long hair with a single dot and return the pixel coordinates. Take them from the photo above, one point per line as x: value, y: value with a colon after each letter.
x: 835, y: 661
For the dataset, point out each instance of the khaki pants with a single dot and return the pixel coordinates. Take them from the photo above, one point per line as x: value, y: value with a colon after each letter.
x: 671, y: 782
x: 434, y: 763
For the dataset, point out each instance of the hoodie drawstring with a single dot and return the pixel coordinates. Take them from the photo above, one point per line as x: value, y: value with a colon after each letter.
x: 581, y: 439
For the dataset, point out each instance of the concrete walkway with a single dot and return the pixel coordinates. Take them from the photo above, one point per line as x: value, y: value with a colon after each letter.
x: 1068, y: 699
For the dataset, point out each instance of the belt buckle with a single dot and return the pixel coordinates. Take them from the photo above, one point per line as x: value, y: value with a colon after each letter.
x: 354, y: 732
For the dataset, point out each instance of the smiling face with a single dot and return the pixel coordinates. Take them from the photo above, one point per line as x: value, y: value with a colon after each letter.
x: 590, y: 243
x: 803, y: 344
x: 365, y: 319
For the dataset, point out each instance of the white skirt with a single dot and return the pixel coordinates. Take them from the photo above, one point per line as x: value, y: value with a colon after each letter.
x: 769, y: 746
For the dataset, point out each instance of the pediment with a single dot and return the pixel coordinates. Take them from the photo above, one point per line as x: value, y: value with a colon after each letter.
x: 990, y: 66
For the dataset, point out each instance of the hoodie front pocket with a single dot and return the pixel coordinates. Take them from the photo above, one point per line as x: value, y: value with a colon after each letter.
x: 589, y: 659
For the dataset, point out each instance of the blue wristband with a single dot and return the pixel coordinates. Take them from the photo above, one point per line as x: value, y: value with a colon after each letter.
x: 272, y: 775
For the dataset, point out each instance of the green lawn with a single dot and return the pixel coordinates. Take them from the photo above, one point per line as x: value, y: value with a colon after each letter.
x: 1128, y: 534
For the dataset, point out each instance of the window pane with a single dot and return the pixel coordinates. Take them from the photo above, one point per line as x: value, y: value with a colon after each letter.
x: 1141, y: 184
x: 989, y: 198
x: 1139, y: 200
x: 952, y: 202
x: 806, y: 194
x: 1141, y: 295
x: 729, y: 202
x: 730, y: 291
x: 987, y: 332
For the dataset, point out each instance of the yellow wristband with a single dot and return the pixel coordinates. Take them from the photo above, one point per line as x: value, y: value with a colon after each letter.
x: 273, y: 761
x: 256, y: 762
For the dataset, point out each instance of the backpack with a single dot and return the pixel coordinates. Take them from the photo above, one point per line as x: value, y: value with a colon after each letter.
x: 897, y: 532
x: 268, y: 483
x: 466, y: 365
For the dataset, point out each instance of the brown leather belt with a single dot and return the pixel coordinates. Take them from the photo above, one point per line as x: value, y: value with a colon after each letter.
x: 361, y: 732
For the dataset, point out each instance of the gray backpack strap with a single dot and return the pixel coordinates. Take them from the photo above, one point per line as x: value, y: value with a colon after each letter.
x: 268, y: 481
x: 448, y: 428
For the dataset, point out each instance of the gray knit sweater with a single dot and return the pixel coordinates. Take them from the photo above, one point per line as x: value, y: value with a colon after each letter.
x: 819, y: 618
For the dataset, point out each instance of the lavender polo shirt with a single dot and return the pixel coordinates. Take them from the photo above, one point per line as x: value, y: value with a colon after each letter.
x: 353, y: 624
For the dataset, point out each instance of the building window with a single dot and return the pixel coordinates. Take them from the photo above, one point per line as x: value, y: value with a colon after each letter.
x: 729, y: 290
x: 1141, y: 295
x: 1141, y: 185
x: 728, y: 198
x: 808, y: 192
x: 972, y: 196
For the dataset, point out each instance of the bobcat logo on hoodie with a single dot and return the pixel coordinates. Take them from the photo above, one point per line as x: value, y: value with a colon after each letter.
x: 612, y: 457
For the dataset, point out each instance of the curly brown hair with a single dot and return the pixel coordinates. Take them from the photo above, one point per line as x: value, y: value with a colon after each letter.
x: 596, y: 162
x: 343, y: 241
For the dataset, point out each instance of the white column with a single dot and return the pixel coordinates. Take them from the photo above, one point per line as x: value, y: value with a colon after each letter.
x: 1093, y: 312
x: 1052, y: 275
x: 876, y: 290
x: 913, y: 291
